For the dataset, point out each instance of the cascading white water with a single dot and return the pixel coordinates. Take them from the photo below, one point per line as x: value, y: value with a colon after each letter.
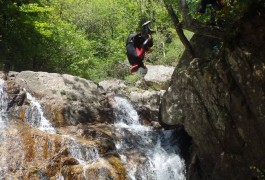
x: 3, y: 118
x: 34, y: 116
x: 85, y: 155
x: 3, y: 104
x: 148, y: 154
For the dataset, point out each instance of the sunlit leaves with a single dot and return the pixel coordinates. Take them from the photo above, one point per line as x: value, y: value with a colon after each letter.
x: 43, y: 28
x: 34, y: 8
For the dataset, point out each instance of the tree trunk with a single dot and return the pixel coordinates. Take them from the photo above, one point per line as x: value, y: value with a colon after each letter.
x: 179, y: 30
x: 193, y: 25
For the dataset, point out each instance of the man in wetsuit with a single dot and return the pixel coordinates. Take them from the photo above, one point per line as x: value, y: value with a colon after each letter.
x: 136, y: 47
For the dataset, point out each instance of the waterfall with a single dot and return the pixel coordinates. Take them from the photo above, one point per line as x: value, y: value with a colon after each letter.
x: 34, y: 116
x: 85, y: 155
x: 3, y: 104
x: 147, y: 153
x: 3, y: 118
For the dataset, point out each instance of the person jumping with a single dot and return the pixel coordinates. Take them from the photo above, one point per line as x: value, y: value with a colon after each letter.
x: 136, y: 47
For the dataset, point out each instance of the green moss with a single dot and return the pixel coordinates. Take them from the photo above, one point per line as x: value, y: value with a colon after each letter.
x: 131, y: 79
x: 62, y: 92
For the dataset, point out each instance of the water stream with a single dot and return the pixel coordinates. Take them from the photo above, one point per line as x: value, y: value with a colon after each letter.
x: 34, y: 116
x: 148, y: 154
x: 3, y: 120
x: 3, y: 105
x: 83, y: 154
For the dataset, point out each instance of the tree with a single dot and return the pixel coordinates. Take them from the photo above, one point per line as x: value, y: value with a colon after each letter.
x: 179, y: 30
x: 21, y: 30
x: 231, y: 12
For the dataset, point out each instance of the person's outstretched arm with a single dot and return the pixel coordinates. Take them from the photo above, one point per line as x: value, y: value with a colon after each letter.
x: 148, y: 42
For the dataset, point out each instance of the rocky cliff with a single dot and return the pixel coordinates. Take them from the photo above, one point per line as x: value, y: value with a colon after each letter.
x: 220, y: 102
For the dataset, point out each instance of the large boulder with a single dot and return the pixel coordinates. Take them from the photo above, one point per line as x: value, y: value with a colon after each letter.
x: 114, y: 86
x: 220, y: 102
x: 158, y: 77
x: 147, y: 103
x: 66, y: 99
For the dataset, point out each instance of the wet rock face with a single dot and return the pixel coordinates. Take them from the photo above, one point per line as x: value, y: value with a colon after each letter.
x: 221, y: 104
x: 28, y: 153
x: 146, y: 102
x: 111, y: 168
x: 67, y: 100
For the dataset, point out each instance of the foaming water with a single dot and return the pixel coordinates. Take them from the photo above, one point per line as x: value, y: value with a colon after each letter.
x: 84, y: 154
x: 125, y: 113
x: 147, y: 153
x: 35, y: 117
x: 59, y: 177
x: 3, y: 118
x: 3, y: 104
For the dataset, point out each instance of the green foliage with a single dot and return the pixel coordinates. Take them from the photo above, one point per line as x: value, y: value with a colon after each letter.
x: 87, y: 38
x: 260, y: 173
x: 169, y: 51
x: 84, y: 38
x: 33, y: 8
x: 21, y: 39
x: 69, y: 49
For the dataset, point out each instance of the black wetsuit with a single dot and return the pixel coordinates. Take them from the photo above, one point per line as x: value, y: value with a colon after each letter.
x: 132, y: 55
x: 131, y: 52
